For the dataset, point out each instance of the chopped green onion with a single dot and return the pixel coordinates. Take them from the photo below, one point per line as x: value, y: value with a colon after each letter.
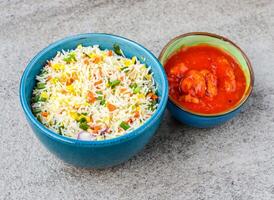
x: 35, y: 99
x: 101, y: 95
x: 124, y: 125
x: 152, y: 105
x: 103, y: 102
x: 84, y: 113
x: 43, y: 72
x: 41, y: 85
x: 36, y: 110
x: 100, y: 98
x: 133, y: 85
x: 86, y: 54
x: 84, y: 126
x: 70, y: 58
x: 43, y: 99
x: 136, y: 90
x: 112, y: 84
x: 82, y: 120
x: 135, y: 60
x: 39, y: 118
x: 118, y: 50
x: 123, y: 68
x: 60, y: 130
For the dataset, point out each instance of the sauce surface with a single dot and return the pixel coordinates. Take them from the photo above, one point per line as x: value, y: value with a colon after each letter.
x: 205, y: 79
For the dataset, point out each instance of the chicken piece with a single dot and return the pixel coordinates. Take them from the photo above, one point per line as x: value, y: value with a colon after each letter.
x: 229, y: 80
x: 225, y: 70
x: 193, y: 84
x: 178, y: 70
x: 211, y: 83
x: 189, y: 98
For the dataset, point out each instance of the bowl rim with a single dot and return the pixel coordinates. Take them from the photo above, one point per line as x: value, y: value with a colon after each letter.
x: 131, y: 134
x: 250, y: 69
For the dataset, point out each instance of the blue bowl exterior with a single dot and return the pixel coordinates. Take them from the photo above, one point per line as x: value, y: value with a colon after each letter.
x: 199, y: 121
x: 95, y: 154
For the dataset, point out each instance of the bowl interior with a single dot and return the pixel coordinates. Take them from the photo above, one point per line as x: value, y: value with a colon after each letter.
x: 105, y: 41
x: 192, y: 39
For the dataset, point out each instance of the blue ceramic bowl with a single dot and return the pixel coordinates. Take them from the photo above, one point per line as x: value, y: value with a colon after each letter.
x: 94, y: 154
x: 200, y: 120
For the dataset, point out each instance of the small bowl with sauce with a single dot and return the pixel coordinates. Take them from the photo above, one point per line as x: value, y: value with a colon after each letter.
x: 210, y: 78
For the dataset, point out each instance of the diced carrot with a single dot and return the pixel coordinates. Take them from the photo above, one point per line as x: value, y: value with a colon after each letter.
x: 90, y: 97
x: 152, y: 96
x: 86, y: 61
x: 149, y: 95
x: 111, y: 107
x: 129, y: 121
x: 123, y: 90
x: 110, y: 53
x: 96, y: 128
x: 121, y: 78
x: 136, y: 114
x: 44, y: 114
x: 98, y: 82
x: 97, y: 59
x: 69, y: 81
x: 48, y: 78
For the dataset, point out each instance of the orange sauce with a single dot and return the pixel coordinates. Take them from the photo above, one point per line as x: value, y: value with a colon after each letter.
x: 205, y: 79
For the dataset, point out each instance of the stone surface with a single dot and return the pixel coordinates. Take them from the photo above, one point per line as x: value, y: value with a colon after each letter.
x: 233, y: 161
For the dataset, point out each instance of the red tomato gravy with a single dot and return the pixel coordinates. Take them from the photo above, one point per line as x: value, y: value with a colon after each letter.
x: 205, y: 79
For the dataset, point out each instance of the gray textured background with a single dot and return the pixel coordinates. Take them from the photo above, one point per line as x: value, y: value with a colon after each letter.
x: 233, y: 161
